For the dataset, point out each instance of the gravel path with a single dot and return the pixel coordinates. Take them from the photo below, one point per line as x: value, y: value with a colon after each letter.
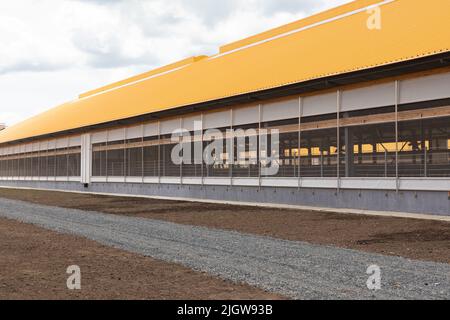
x: 295, y: 269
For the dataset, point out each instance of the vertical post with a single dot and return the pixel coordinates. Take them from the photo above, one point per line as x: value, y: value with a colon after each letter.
x: 182, y: 157
x: 125, y: 165
x: 55, y: 160
x: 142, y: 152
x: 10, y: 153
x: 24, y: 158
x: 300, y: 112
x: 5, y: 173
x: 159, y: 152
x: 27, y: 166
x: 201, y: 139
x: 86, y: 159
x: 89, y: 162
x: 47, y: 171
x: 397, y: 94
x: 258, y: 147
x: 426, y: 159
x: 18, y: 162
x: 15, y: 164
x: 31, y: 163
x: 4, y: 164
x: 24, y: 162
x: 17, y: 171
x: 30, y: 168
x: 67, y: 158
x: 6, y: 158
x: 19, y: 156
x: 231, y: 145
x: 38, y: 162
x: 338, y: 143
x: 106, y: 155
x: 17, y: 150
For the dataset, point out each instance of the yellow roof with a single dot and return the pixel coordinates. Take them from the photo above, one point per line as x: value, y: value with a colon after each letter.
x: 334, y: 42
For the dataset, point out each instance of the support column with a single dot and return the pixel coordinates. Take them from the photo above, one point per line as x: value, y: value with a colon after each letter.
x: 300, y: 113
x: 159, y: 161
x: 231, y: 147
x: 338, y: 138
x: 258, y: 153
x: 86, y: 159
x: 397, y: 101
x: 182, y: 145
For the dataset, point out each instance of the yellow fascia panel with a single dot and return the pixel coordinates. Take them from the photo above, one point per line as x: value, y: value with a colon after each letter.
x: 167, y: 68
x: 410, y: 29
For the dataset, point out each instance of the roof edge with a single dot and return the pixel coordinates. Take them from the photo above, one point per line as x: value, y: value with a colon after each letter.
x: 142, y: 76
x: 322, y: 16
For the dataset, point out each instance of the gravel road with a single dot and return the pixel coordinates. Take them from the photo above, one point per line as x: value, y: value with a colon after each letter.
x: 295, y: 269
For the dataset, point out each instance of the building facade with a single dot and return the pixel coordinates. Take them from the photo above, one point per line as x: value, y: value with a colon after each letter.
x: 373, y: 138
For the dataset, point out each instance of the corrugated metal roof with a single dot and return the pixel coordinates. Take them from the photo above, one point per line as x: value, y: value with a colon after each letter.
x: 144, y: 76
x: 335, y: 42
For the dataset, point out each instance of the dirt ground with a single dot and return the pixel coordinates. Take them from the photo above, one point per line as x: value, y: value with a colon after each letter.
x: 410, y: 238
x: 34, y: 261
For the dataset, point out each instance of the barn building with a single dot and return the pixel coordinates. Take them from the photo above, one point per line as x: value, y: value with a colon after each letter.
x: 350, y: 106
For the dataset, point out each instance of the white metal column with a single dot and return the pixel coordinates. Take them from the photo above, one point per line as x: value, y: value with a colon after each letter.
x: 397, y: 102
x: 299, y: 156
x: 338, y: 137
x: 86, y: 158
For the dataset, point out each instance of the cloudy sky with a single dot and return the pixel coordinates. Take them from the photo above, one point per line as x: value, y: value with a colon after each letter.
x: 52, y: 50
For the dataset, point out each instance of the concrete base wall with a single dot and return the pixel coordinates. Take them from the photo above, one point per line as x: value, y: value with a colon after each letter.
x: 425, y: 202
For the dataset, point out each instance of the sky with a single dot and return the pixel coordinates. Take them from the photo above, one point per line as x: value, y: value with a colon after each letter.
x: 53, y: 50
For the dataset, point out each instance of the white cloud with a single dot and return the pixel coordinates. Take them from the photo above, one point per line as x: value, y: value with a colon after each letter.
x: 54, y: 49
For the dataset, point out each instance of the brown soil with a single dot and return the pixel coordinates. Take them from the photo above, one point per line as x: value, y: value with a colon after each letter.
x: 34, y: 261
x: 410, y: 238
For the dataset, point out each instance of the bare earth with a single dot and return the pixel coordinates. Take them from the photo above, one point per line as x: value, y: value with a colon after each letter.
x: 34, y: 261
x: 409, y: 238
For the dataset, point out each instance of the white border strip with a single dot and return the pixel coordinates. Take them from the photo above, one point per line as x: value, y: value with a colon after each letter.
x: 405, y: 184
